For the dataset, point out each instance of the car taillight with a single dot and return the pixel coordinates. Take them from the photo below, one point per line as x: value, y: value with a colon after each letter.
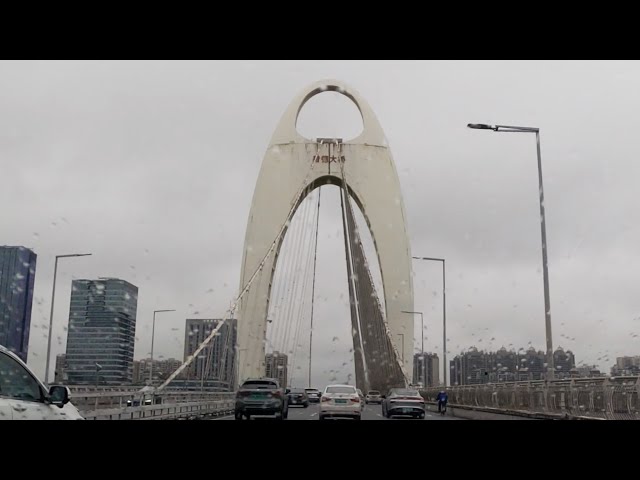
x: 243, y: 394
x: 277, y: 394
x: 325, y: 399
x: 356, y: 400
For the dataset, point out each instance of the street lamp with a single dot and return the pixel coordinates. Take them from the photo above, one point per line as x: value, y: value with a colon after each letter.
x: 543, y: 231
x: 98, y: 368
x: 422, y: 331
x: 153, y: 333
x: 53, y: 296
x: 444, y: 313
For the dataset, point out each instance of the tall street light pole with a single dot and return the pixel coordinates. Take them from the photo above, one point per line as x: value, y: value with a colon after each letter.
x: 53, y: 297
x: 543, y: 232
x: 423, y: 375
x: 153, y: 334
x: 444, y: 313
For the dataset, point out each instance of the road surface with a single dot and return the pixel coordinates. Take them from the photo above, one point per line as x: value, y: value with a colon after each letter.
x: 371, y: 412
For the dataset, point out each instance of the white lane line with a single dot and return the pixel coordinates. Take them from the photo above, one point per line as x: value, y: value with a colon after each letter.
x: 314, y: 414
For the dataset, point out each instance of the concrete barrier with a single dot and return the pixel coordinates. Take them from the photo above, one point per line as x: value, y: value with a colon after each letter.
x: 488, y: 413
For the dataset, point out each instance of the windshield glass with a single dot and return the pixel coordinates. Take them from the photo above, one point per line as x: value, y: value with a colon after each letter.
x: 188, y: 226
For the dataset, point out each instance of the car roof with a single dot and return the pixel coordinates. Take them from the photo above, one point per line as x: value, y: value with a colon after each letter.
x: 12, y: 355
x: 15, y: 357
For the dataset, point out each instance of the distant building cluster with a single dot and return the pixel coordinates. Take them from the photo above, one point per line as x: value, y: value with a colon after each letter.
x: 161, y: 370
x: 426, y: 369
x: 217, y: 361
x: 476, y: 366
x: 626, y: 366
x: 102, y: 327
x: 213, y: 369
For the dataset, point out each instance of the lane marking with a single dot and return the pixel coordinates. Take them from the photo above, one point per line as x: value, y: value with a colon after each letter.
x: 222, y: 418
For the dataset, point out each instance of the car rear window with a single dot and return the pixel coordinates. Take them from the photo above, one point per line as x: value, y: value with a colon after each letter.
x: 374, y: 392
x: 341, y: 390
x: 259, y: 385
x: 407, y: 393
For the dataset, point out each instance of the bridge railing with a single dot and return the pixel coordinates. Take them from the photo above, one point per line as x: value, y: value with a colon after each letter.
x: 602, y: 398
x: 94, y: 400
x: 165, y: 411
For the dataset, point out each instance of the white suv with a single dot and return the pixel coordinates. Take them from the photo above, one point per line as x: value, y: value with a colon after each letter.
x: 24, y: 397
x: 340, y: 401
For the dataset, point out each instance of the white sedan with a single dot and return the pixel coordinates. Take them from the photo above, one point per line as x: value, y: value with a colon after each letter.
x: 24, y: 397
x: 340, y: 401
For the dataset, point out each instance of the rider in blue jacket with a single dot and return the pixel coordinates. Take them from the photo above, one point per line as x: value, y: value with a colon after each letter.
x: 442, y: 399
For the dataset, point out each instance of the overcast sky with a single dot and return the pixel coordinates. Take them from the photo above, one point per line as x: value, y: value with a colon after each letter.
x: 151, y: 167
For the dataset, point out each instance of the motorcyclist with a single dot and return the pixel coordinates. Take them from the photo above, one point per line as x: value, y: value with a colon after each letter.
x: 442, y: 400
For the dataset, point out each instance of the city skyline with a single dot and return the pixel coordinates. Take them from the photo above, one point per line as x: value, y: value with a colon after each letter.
x: 616, y: 368
x: 470, y: 198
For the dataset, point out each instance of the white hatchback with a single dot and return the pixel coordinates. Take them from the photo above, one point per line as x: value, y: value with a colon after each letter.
x: 24, y: 397
x: 340, y: 401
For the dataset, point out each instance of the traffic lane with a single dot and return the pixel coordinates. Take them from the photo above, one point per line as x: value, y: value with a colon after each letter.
x: 370, y: 412
x: 295, y: 413
x: 374, y: 412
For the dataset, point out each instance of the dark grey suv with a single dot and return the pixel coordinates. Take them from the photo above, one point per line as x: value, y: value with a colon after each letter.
x: 261, y: 396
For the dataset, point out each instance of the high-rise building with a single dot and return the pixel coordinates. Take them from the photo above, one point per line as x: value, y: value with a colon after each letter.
x: 470, y: 368
x: 564, y: 362
x: 626, y: 366
x: 534, y: 364
x: 276, y: 367
x: 61, y: 369
x: 17, y: 275
x: 426, y: 369
x: 102, y: 328
x: 505, y: 363
x: 137, y: 376
x: 217, y: 360
x: 477, y: 367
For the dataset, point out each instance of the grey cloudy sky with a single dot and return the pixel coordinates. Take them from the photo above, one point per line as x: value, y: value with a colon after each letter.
x: 151, y: 166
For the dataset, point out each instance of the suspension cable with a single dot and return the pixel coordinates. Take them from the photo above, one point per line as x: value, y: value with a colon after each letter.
x: 313, y: 285
x: 247, y: 285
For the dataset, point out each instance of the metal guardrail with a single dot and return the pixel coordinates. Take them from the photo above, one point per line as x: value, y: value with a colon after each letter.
x: 170, y: 411
x: 597, y: 398
x: 92, y: 402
